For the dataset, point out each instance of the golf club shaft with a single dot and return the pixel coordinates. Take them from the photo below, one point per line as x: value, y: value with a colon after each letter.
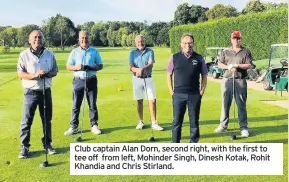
x: 234, y: 101
x: 44, y: 118
x: 145, y: 87
x: 83, y: 102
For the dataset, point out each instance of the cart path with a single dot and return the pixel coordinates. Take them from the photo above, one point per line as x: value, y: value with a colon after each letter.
x: 259, y: 86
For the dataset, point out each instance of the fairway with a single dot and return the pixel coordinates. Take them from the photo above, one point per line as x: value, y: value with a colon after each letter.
x: 118, y: 119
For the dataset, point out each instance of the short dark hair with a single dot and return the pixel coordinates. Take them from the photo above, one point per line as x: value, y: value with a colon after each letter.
x: 188, y: 35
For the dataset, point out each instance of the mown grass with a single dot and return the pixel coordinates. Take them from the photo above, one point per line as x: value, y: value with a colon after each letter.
x: 118, y: 118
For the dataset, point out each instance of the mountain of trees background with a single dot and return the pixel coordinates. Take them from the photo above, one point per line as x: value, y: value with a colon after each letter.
x: 60, y: 31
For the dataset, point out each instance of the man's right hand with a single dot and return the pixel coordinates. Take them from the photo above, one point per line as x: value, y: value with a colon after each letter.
x: 39, y: 73
x: 78, y: 67
x: 139, y: 72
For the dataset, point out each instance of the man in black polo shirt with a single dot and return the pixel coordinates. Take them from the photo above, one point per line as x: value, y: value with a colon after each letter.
x: 186, y: 66
x: 236, y: 59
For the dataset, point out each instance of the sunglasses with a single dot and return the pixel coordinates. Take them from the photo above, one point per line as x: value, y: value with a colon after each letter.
x: 238, y: 38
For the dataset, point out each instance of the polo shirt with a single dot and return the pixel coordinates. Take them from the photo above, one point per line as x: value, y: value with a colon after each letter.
x: 140, y: 59
x: 229, y: 56
x: 90, y: 57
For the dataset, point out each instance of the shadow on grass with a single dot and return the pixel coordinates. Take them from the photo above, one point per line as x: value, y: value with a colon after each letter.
x: 250, y: 119
x: 109, y: 130
x: 285, y: 141
x: 39, y: 153
x: 253, y: 133
x: 57, y: 164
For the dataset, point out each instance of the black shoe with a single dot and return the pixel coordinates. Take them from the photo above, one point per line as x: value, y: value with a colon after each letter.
x: 23, y: 153
x: 50, y: 150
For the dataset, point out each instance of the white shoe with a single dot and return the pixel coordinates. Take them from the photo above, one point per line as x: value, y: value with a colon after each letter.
x: 220, y: 129
x: 156, y: 126
x: 140, y: 126
x: 245, y: 133
x: 71, y: 131
x: 95, y: 130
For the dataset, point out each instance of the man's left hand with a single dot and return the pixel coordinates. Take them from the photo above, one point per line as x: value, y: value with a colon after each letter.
x: 201, y: 92
x: 86, y: 68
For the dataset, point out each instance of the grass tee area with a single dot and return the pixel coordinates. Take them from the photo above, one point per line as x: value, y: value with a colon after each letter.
x: 118, y: 119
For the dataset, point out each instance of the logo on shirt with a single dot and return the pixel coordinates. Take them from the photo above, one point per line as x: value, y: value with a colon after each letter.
x: 194, y: 62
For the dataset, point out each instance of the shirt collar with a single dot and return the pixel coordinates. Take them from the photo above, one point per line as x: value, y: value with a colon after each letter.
x: 37, y: 53
x: 84, y: 49
x: 188, y: 55
x: 144, y: 50
x: 231, y: 48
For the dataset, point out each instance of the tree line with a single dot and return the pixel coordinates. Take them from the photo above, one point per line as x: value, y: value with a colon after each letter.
x: 60, y: 31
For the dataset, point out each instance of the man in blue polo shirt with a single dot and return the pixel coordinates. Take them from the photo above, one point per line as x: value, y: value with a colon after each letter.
x: 85, y: 61
x: 186, y: 66
x: 141, y: 60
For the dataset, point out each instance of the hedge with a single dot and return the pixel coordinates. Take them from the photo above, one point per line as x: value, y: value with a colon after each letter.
x: 259, y: 31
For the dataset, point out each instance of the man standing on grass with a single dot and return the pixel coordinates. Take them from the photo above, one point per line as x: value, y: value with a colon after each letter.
x: 34, y: 65
x: 141, y: 60
x: 186, y: 66
x: 84, y: 61
x: 237, y: 60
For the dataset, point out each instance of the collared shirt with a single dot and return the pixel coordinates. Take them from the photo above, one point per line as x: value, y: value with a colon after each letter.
x: 90, y: 57
x: 30, y: 63
x: 229, y: 56
x: 170, y: 67
x: 38, y: 54
x: 140, y: 59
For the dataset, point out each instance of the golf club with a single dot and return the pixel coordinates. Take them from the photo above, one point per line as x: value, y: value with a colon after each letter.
x: 233, y: 136
x: 152, y: 138
x: 79, y: 139
x: 44, y: 163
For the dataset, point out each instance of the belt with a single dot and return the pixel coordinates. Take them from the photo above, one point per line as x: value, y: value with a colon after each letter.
x: 148, y: 76
x: 88, y: 78
x: 37, y: 90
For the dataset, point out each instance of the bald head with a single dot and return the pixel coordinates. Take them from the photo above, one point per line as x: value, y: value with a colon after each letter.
x: 36, y: 39
x: 83, y: 37
x: 139, y: 42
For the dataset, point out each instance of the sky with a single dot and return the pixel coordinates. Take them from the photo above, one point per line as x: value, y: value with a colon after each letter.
x: 18, y: 13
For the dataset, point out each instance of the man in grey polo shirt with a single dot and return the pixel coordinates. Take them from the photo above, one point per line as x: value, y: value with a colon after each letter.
x: 34, y: 65
x: 236, y: 59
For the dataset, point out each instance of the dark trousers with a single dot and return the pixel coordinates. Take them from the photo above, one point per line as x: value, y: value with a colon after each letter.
x: 77, y: 96
x: 240, y: 98
x: 180, y: 103
x: 32, y: 99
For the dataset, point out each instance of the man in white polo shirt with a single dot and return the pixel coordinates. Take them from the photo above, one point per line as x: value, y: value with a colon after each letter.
x: 35, y: 65
x: 141, y: 60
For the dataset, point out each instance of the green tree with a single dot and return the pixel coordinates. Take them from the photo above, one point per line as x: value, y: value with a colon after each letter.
x: 87, y: 26
x: 96, y: 29
x: 253, y: 6
x: 163, y: 38
x: 198, y: 14
x: 221, y: 11
x: 60, y: 31
x: 182, y: 14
